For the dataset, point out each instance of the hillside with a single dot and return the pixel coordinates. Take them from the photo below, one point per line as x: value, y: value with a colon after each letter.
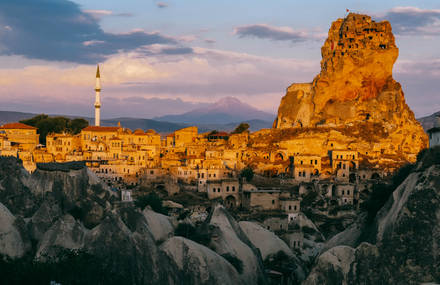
x: 428, y: 121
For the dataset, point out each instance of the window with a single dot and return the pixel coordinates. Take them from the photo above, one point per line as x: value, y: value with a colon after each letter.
x: 227, y: 188
x: 343, y: 192
x: 233, y: 188
x: 294, y: 208
x: 348, y: 192
x: 290, y: 207
x: 273, y: 202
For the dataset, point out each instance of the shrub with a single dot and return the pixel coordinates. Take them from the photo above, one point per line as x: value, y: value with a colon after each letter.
x: 247, y: 173
x: 190, y: 232
x: 152, y: 200
x: 241, y: 128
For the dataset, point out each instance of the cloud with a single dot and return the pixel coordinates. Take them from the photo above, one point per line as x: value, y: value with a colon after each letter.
x: 413, y: 21
x: 199, y: 76
x: 420, y: 84
x: 162, y: 5
x: 98, y: 14
x: 264, y: 31
x: 61, y: 31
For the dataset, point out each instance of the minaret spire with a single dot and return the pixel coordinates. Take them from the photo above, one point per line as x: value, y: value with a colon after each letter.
x: 98, y: 98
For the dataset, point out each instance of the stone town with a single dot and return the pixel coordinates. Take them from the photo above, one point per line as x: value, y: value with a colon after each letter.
x: 307, y: 149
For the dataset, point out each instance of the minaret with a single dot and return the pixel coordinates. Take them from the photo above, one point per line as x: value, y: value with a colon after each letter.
x: 98, y: 98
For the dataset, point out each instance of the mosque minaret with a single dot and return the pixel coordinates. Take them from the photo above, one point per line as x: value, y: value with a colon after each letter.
x: 98, y: 98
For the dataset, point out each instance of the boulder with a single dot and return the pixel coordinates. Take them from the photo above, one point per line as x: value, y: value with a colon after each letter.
x: 128, y: 254
x: 266, y: 241
x: 44, y: 218
x: 11, y: 241
x: 159, y: 225
x: 198, y: 264
x: 228, y: 240
x: 65, y: 233
x: 332, y: 267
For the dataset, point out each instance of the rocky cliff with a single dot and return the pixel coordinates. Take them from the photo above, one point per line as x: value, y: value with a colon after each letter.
x: 61, y: 223
x: 402, y: 245
x: 355, y: 89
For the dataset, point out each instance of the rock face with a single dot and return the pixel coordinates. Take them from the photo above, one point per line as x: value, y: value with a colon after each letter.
x: 355, y: 87
x: 227, y: 239
x: 159, y: 225
x: 407, y: 239
x: 266, y: 241
x: 66, y: 233
x: 11, y: 243
x: 199, y: 264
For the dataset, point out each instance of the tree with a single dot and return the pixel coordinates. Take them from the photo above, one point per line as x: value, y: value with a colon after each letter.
x: 241, y: 128
x: 153, y: 200
x: 248, y: 173
x: 47, y: 125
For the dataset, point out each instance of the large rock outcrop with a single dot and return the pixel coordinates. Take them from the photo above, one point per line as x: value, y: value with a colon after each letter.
x: 407, y: 237
x: 355, y: 89
x: 11, y: 242
x: 198, y: 264
x: 227, y: 239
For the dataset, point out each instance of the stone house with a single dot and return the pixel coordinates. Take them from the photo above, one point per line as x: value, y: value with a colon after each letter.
x: 276, y: 223
x: 345, y: 193
x: 226, y: 189
x: 262, y: 199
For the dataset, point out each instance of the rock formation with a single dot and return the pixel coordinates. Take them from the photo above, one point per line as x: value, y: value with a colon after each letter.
x: 199, y: 264
x: 406, y: 233
x: 227, y: 239
x: 356, y: 89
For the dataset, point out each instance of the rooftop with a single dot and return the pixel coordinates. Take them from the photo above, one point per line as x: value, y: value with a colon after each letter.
x: 100, y: 129
x: 17, y: 126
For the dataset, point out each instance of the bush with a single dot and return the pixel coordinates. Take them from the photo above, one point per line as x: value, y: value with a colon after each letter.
x: 47, y: 125
x: 247, y: 173
x: 241, y: 128
x: 152, y: 200
x: 70, y: 267
x: 190, y: 232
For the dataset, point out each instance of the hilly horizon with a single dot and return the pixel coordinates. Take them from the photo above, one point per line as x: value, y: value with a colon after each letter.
x: 225, y: 111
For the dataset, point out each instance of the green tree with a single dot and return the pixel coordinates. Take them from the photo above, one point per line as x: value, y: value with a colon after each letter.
x: 153, y: 200
x: 241, y: 128
x: 76, y: 125
x: 248, y: 173
x: 47, y: 125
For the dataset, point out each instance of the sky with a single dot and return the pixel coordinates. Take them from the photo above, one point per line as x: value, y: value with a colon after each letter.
x: 172, y: 56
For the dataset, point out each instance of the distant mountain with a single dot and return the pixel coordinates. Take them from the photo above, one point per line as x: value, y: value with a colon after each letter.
x: 255, y: 125
x: 145, y: 124
x: 225, y: 111
x: 428, y: 121
x: 131, y: 123
x: 9, y: 116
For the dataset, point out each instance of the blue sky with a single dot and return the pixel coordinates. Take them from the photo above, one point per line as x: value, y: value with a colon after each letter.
x: 162, y: 57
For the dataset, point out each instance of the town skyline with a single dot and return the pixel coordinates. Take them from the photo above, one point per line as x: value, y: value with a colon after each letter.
x: 155, y: 61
